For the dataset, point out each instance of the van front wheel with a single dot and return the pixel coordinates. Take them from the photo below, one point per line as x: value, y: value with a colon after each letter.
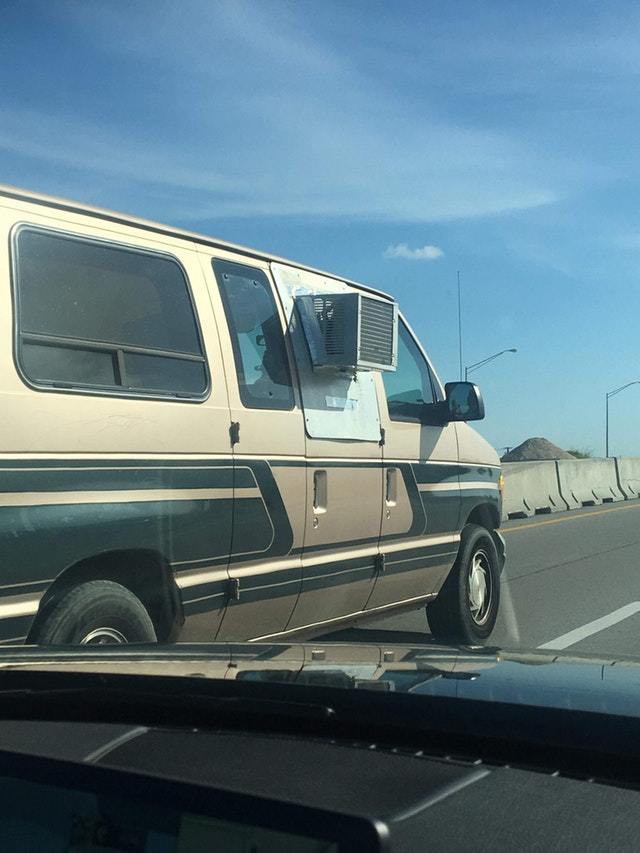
x: 466, y: 608
x: 96, y: 613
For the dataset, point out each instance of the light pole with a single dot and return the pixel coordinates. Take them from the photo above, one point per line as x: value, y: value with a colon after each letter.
x: 613, y: 394
x: 471, y: 367
x: 459, y: 325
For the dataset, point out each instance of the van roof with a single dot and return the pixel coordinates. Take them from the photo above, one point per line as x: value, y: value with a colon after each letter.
x: 158, y: 228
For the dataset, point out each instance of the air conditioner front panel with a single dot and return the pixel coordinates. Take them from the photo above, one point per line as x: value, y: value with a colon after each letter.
x: 377, y: 338
x: 349, y: 330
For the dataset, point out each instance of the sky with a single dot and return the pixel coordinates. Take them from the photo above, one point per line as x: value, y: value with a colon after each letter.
x: 395, y: 143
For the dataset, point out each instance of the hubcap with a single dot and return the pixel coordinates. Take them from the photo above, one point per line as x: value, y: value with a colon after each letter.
x: 480, y: 591
x: 103, y: 637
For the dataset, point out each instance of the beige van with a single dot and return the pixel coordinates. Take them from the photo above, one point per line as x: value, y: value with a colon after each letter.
x: 202, y: 441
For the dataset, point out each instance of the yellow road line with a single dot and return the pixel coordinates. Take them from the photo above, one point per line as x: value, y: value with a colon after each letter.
x: 569, y: 517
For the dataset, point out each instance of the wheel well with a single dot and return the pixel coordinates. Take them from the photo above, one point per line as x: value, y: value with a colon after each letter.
x: 144, y: 573
x: 486, y: 515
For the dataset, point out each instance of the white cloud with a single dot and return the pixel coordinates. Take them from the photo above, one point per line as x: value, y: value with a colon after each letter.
x: 425, y: 253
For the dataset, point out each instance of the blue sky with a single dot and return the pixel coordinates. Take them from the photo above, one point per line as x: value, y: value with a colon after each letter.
x: 505, y: 135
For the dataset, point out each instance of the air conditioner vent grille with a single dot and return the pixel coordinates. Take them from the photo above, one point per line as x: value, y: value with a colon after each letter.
x: 376, y: 331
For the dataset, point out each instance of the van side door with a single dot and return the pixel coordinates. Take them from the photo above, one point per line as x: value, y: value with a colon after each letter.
x: 267, y: 441
x: 421, y: 501
x: 343, y: 475
x: 344, y: 501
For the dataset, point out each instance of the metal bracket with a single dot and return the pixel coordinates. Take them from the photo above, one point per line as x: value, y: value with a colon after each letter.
x: 234, y: 589
x: 380, y: 563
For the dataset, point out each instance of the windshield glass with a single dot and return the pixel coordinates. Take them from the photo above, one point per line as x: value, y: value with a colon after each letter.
x: 319, y: 326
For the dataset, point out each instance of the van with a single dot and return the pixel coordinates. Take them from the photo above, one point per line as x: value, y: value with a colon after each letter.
x: 201, y: 441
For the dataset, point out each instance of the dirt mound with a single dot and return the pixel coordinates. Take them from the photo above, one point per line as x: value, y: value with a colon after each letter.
x: 534, y: 449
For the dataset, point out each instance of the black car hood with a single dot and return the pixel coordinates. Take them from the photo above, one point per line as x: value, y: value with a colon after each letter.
x: 532, y: 678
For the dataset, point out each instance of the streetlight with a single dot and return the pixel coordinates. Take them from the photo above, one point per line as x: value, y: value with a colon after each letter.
x: 471, y: 367
x: 612, y: 394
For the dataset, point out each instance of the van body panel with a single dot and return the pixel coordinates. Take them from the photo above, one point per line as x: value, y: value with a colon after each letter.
x: 426, y: 461
x: 474, y: 448
x: 264, y: 529
x: 48, y: 420
x: 171, y: 495
x: 269, y: 526
x: 479, y: 473
x: 350, y: 516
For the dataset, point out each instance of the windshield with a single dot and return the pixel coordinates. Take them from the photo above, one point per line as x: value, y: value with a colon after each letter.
x: 319, y: 326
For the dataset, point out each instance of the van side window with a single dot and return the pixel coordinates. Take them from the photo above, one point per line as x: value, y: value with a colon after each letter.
x: 101, y: 316
x: 259, y: 349
x: 409, y: 387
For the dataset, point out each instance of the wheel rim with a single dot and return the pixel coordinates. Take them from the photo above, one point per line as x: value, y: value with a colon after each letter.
x: 103, y: 637
x: 480, y: 590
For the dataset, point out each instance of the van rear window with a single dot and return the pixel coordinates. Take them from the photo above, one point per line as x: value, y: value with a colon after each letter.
x: 103, y: 316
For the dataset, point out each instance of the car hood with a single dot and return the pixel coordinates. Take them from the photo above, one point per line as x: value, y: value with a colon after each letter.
x: 533, y: 678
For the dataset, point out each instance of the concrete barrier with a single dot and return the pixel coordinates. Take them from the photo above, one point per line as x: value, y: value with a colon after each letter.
x: 589, y: 482
x: 531, y: 488
x: 628, y: 468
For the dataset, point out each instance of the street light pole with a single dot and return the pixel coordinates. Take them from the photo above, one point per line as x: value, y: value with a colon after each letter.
x: 478, y: 364
x: 607, y: 396
x: 459, y: 325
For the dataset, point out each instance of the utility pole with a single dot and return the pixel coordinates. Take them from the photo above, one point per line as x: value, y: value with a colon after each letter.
x: 460, y: 325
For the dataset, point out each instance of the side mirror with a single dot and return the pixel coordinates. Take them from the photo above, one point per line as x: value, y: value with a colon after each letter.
x: 464, y: 402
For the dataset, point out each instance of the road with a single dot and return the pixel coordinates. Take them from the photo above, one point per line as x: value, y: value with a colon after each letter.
x: 571, y: 581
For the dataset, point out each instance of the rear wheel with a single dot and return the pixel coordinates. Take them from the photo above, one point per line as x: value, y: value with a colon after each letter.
x: 97, y: 613
x: 466, y: 608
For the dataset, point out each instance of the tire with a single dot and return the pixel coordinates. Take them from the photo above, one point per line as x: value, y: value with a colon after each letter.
x: 466, y: 608
x: 96, y: 613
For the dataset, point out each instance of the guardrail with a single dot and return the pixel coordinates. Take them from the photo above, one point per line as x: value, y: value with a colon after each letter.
x: 537, y: 488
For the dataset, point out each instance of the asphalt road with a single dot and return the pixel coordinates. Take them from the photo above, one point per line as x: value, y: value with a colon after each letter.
x: 571, y: 582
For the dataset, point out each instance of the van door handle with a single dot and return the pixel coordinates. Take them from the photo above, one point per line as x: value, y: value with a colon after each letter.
x: 320, y: 494
x: 391, y: 489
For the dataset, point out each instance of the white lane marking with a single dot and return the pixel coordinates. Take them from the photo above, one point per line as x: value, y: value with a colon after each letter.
x: 594, y: 627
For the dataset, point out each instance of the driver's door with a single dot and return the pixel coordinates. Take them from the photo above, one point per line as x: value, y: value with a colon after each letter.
x: 421, y: 492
